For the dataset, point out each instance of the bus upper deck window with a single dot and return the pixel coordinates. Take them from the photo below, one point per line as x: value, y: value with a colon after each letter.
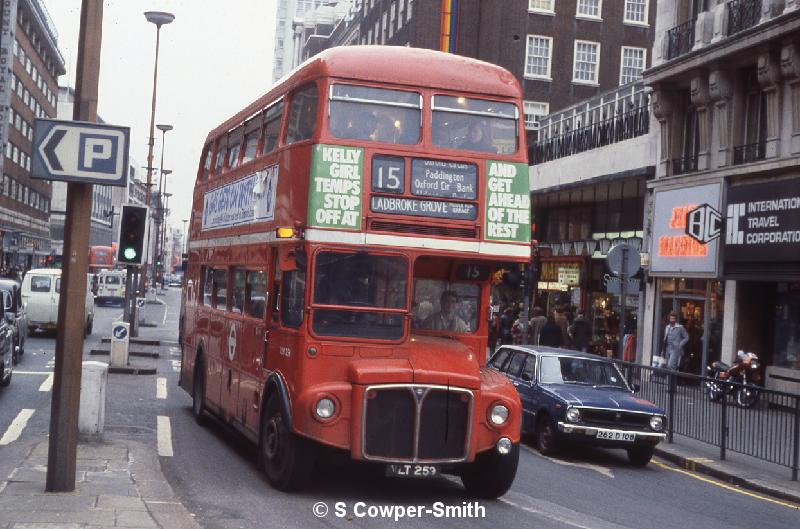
x: 375, y: 114
x: 207, y: 161
x: 251, y: 133
x: 302, y: 115
x: 476, y: 125
x: 221, y: 151
x: 272, y: 127
x: 234, y: 144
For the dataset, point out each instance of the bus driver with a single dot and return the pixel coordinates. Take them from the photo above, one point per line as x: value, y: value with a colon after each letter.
x: 446, y: 319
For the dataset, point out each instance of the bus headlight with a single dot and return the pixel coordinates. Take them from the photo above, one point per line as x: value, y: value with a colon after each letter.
x: 325, y: 408
x: 498, y: 414
x: 573, y: 415
x: 656, y: 423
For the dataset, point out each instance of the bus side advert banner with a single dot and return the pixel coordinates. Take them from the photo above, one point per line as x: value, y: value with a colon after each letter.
x: 334, y: 197
x: 249, y: 199
x: 508, y: 202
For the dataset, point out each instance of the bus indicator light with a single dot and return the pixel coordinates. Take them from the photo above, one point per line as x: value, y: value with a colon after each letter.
x: 284, y: 233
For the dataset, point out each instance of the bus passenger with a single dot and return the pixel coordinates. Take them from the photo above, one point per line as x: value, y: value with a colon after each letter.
x: 446, y: 319
x: 477, y: 139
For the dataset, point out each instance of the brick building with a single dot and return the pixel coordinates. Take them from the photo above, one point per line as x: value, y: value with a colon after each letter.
x: 30, y: 91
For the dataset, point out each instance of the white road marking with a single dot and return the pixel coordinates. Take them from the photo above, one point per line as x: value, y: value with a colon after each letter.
x: 47, y: 385
x: 45, y: 373
x: 164, y: 434
x: 17, y: 425
x: 607, y: 472
x: 161, y: 388
x: 556, y: 512
x: 164, y: 321
x: 176, y: 366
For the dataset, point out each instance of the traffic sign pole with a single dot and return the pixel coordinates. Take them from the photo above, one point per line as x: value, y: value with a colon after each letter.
x: 62, y: 450
x: 622, y: 302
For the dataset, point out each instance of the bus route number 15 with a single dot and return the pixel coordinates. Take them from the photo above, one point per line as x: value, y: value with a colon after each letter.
x: 388, y: 174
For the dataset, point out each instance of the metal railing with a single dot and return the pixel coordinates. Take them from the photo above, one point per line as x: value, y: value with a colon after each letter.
x: 680, y: 39
x: 684, y: 165
x: 749, y: 153
x: 769, y: 430
x: 624, y: 126
x: 743, y: 14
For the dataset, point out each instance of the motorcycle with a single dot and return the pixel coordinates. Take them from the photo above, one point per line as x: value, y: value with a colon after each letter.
x: 745, y: 372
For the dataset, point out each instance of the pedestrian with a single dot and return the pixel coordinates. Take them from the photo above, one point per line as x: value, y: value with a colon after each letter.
x: 563, y: 323
x: 551, y: 334
x: 494, y: 328
x: 580, y: 332
x: 506, y: 324
x: 675, y: 340
x: 537, y: 322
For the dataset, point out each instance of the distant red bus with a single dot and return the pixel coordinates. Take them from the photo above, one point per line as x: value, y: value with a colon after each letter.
x: 344, y: 231
x: 100, y: 258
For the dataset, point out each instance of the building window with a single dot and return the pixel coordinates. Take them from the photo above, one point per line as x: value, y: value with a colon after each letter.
x: 534, y: 110
x: 400, y: 14
x: 632, y: 65
x: 589, y: 9
x: 385, y: 27
x: 541, y: 6
x: 537, y: 56
x: 408, y: 13
x: 392, y: 14
x: 636, y: 11
x: 587, y: 59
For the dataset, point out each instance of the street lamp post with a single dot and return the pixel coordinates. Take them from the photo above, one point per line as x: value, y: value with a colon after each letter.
x: 164, y: 230
x: 159, y: 18
x: 162, y: 176
x: 185, y: 236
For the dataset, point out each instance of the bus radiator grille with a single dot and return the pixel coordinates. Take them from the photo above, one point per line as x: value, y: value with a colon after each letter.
x: 390, y: 424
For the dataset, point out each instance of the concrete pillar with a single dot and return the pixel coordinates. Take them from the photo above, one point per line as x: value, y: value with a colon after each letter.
x: 730, y: 319
x: 92, y: 414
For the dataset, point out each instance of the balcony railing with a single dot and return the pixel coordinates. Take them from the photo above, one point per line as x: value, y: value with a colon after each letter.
x: 749, y: 153
x: 614, y: 116
x: 684, y: 165
x: 743, y: 14
x: 680, y: 39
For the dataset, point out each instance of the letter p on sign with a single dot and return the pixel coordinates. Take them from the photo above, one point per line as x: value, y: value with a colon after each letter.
x: 98, y: 153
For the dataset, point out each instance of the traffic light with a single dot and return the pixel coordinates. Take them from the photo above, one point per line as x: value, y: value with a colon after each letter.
x: 132, y: 230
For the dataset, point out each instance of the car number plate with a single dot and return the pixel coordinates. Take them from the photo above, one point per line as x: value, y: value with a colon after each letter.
x: 404, y: 470
x: 616, y: 435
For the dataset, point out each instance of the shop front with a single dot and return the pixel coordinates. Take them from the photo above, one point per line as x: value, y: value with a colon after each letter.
x: 685, y: 267
x: 762, y: 254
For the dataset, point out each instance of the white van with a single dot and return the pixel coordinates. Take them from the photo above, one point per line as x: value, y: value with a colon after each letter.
x: 41, y: 289
x: 110, y: 286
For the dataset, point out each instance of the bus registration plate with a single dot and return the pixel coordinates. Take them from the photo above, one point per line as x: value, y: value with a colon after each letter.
x: 402, y: 470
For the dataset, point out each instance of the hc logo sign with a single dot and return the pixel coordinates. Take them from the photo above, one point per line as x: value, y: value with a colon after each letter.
x: 98, y: 153
x: 703, y: 224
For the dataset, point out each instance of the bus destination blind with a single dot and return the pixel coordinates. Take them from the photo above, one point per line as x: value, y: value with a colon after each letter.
x: 424, y: 208
x: 437, y: 178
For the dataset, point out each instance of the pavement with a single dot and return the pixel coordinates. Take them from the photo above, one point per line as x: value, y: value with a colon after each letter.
x: 122, y: 481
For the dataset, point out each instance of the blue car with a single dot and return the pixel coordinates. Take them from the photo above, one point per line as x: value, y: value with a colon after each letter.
x: 579, y: 397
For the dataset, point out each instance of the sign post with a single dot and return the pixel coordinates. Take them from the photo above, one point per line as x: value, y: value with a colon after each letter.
x: 624, y: 261
x: 82, y: 154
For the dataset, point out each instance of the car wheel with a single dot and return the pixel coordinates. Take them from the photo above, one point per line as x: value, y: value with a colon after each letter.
x: 288, y: 458
x: 545, y: 436
x: 14, y: 355
x: 22, y: 345
x: 199, y: 392
x: 492, y: 474
x: 640, y: 455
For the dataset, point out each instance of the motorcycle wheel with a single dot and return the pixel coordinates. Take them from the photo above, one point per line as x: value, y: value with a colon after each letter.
x: 747, y: 396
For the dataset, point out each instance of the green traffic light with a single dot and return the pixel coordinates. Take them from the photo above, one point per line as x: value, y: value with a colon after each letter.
x: 129, y: 253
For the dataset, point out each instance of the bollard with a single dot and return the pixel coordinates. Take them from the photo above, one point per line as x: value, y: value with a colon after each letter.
x: 141, y: 319
x: 92, y: 413
x: 120, y: 340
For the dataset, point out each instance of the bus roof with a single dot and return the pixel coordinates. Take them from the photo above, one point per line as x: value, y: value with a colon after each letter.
x: 390, y: 64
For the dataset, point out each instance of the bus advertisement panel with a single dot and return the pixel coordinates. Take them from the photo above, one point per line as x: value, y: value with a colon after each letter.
x: 344, y: 233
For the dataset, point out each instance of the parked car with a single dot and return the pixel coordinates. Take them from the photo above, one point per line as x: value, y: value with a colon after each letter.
x: 15, y: 315
x: 569, y: 396
x: 110, y: 286
x: 41, y: 290
x: 6, y: 346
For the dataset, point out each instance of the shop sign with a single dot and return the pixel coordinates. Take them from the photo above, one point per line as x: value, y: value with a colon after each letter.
x: 673, y: 251
x: 763, y: 222
x: 569, y: 276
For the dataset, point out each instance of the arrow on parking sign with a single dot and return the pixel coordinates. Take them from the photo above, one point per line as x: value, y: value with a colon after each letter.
x: 78, y: 151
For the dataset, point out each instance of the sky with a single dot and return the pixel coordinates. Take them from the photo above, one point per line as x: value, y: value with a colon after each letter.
x: 214, y: 59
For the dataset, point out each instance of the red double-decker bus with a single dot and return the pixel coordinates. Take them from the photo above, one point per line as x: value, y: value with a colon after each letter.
x: 344, y: 232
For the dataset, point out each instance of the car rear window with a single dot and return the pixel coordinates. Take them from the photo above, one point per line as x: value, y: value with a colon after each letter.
x: 40, y: 284
x: 113, y: 280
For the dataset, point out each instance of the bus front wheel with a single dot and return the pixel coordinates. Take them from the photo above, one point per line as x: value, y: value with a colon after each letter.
x: 492, y: 474
x: 288, y: 458
x: 199, y: 392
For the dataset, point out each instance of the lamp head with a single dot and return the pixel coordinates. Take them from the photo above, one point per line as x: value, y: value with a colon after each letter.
x: 166, y: 172
x: 159, y: 18
x: 164, y: 128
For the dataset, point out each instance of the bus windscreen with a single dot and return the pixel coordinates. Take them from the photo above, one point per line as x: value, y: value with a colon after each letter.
x: 475, y: 125
x: 375, y: 114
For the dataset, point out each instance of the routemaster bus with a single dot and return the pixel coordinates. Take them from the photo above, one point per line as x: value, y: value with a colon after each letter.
x: 344, y: 231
